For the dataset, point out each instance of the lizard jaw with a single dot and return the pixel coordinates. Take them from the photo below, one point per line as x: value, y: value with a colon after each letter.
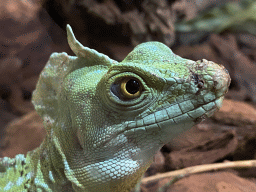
x: 164, y: 123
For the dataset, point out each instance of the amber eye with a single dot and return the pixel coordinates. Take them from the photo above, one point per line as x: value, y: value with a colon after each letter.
x: 130, y: 88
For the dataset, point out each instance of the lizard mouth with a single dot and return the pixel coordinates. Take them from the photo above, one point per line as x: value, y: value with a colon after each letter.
x: 168, y: 122
x: 171, y: 121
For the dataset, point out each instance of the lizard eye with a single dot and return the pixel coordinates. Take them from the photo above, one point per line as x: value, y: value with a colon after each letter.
x: 127, y: 88
x: 130, y: 88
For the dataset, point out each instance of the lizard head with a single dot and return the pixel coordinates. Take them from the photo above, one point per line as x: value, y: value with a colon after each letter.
x: 155, y: 95
x: 159, y: 92
x: 109, y: 118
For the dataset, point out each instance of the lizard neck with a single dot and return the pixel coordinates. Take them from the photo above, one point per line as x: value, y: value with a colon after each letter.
x: 47, y: 167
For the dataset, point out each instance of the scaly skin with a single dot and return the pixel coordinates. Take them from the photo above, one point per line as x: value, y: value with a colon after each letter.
x: 105, y: 120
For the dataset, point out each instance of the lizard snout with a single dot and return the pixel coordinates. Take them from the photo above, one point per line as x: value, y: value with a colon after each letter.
x: 211, y: 76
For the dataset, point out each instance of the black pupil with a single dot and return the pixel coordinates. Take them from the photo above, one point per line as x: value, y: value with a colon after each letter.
x: 132, y: 86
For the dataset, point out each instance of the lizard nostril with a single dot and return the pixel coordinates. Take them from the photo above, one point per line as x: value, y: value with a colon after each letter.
x: 200, y: 84
x: 197, y: 80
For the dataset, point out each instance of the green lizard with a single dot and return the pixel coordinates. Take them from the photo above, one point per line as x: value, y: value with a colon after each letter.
x: 105, y: 120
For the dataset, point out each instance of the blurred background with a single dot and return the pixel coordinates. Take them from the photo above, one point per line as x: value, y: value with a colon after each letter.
x: 222, y: 31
